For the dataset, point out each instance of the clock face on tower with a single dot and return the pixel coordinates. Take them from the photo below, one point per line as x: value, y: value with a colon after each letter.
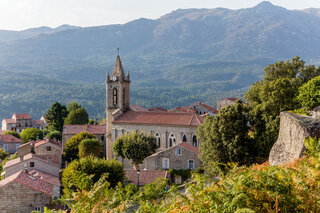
x: 114, y: 78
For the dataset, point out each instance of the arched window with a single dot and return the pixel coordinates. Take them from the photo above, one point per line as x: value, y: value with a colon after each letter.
x: 194, y: 141
x: 124, y: 96
x: 115, y: 97
x: 172, y: 140
x: 184, y: 138
x: 158, y: 140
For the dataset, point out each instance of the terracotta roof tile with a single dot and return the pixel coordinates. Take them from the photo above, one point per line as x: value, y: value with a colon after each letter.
x: 146, y: 176
x: 160, y: 118
x: 138, y: 108
x: 45, y: 158
x: 10, y: 121
x: 37, y: 123
x: 183, y: 109
x: 45, y: 176
x: 208, y: 107
x: 10, y: 139
x: 45, y: 141
x: 182, y: 144
x: 157, y: 109
x: 92, y: 129
x: 22, y: 116
x: 29, y: 181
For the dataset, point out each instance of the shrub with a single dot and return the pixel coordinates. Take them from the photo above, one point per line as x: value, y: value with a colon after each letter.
x: 309, y: 93
x: 90, y: 147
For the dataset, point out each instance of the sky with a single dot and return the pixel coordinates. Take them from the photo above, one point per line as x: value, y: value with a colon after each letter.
x: 24, y: 14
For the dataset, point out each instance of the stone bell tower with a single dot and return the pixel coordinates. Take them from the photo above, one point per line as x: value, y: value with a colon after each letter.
x: 117, y: 100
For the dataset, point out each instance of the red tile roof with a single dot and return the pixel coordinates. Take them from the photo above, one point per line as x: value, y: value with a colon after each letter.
x: 138, y: 108
x: 45, y: 176
x: 10, y: 139
x: 183, y: 109
x: 37, y: 123
x: 182, y: 144
x: 45, y: 158
x: 146, y: 176
x: 45, y: 141
x: 208, y: 107
x: 29, y: 181
x: 10, y: 121
x: 92, y: 129
x: 22, y: 116
x: 160, y: 118
x: 157, y: 109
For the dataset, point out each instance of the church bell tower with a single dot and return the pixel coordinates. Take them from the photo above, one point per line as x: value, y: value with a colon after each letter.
x: 117, y: 100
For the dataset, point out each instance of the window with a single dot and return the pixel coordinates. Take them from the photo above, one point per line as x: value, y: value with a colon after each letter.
x: 38, y: 208
x: 172, y: 140
x: 194, y: 141
x: 26, y: 124
x: 115, y: 97
x: 19, y: 124
x: 184, y: 138
x: 31, y: 164
x: 158, y: 140
x: 191, y: 164
x: 123, y: 96
x: 48, y: 148
x: 102, y: 138
x: 6, y: 147
x: 165, y: 163
x: 178, y: 151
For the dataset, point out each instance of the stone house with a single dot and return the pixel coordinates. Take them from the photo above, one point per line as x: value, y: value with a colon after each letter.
x: 145, y: 176
x: 180, y: 156
x: 10, y: 143
x: 202, y: 109
x: 22, y: 192
x: 42, y: 147
x: 225, y: 102
x: 18, y: 122
x: 45, y: 163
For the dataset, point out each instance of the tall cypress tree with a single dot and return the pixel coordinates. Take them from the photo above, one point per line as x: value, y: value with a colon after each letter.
x: 55, y: 116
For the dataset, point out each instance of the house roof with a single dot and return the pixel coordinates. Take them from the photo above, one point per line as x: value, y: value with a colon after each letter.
x: 37, y: 123
x: 208, y: 107
x: 10, y: 139
x: 10, y: 121
x: 22, y: 116
x: 160, y: 118
x: 92, y: 129
x: 45, y: 141
x: 182, y: 144
x: 157, y: 109
x: 145, y: 176
x: 30, y: 181
x: 45, y: 158
x: 45, y: 176
x: 138, y: 108
x: 183, y: 109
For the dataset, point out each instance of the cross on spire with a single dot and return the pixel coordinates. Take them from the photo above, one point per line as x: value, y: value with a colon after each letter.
x: 118, y: 50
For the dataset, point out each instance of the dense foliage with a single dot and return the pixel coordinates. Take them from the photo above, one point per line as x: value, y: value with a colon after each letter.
x: 54, y: 135
x: 135, y: 146
x: 81, y: 175
x: 31, y: 134
x: 71, y: 148
x: 76, y: 114
x: 90, y: 147
x: 3, y: 154
x: 224, y: 138
x: 309, y: 94
x: 13, y: 133
x: 55, y: 116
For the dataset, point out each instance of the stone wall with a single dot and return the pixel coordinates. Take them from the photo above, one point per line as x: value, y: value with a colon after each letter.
x: 290, y: 144
x: 18, y: 198
x: 53, y: 150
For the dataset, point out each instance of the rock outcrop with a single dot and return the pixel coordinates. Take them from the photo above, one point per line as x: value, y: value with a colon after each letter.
x: 290, y: 144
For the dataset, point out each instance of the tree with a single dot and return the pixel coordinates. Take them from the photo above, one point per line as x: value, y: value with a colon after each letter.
x: 71, y: 148
x: 309, y: 94
x: 3, y: 154
x: 90, y: 147
x: 77, y: 116
x: 73, y: 106
x: 13, y: 133
x: 31, y: 134
x: 82, y: 174
x: 55, y: 116
x: 224, y: 138
x: 54, y: 135
x: 135, y: 147
x: 275, y: 93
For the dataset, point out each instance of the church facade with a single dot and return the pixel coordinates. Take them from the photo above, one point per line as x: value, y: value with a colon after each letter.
x: 169, y: 128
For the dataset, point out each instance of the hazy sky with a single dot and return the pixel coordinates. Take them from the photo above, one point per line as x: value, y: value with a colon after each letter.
x: 23, y: 14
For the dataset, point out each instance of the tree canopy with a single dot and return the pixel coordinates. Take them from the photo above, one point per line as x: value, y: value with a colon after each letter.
x: 54, y: 135
x: 31, y: 134
x: 77, y: 116
x: 13, y: 133
x: 55, y: 116
x: 135, y: 146
x: 309, y: 94
x: 90, y: 147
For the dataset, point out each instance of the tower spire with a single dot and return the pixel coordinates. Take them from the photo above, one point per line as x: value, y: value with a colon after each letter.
x: 118, y: 70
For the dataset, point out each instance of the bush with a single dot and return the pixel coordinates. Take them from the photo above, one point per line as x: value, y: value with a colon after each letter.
x: 309, y: 93
x: 82, y: 174
x: 90, y: 147
x: 54, y: 135
x: 13, y: 133
x: 31, y: 134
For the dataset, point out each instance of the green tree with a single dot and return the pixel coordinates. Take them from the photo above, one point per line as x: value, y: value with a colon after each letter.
x: 135, y: 147
x: 77, y: 116
x: 90, y: 147
x: 309, y: 94
x: 54, y: 135
x: 31, y: 134
x: 55, y: 116
x: 225, y: 138
x: 275, y: 93
x: 13, y: 133
x: 3, y: 154
x: 73, y: 106
x: 71, y: 148
x: 82, y: 174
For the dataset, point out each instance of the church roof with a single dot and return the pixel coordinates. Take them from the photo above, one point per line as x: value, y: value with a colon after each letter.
x: 160, y: 118
x: 118, y: 69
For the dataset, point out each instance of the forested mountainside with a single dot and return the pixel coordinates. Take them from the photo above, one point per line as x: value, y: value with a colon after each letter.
x: 185, y: 56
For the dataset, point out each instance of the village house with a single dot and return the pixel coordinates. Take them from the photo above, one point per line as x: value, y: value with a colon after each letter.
x: 45, y: 163
x: 23, y: 192
x: 18, y: 122
x: 180, y: 156
x: 10, y: 143
x: 145, y: 176
x: 42, y: 147
x: 225, y: 102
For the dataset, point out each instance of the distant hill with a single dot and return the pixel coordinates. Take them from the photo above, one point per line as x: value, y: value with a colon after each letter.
x: 184, y: 56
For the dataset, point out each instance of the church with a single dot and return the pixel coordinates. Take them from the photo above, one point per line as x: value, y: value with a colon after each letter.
x: 169, y: 127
